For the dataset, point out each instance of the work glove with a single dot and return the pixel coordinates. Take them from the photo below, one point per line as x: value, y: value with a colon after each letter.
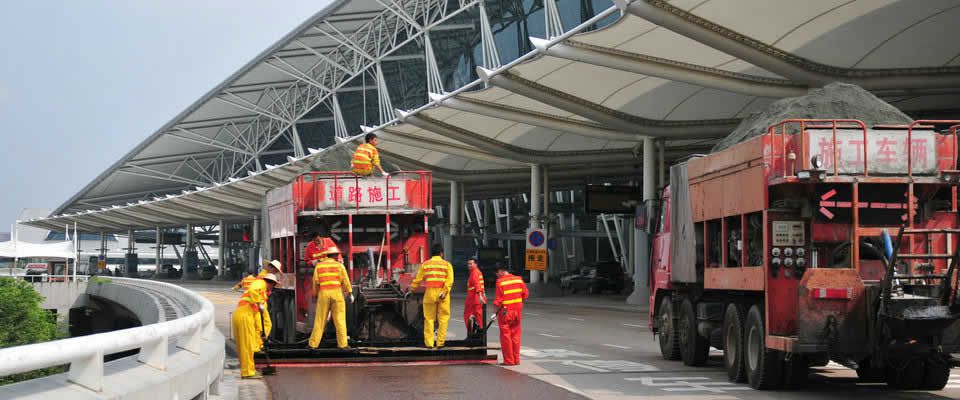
x: 442, y: 295
x: 260, y: 307
x: 351, y: 297
x: 493, y: 316
x: 385, y: 174
x: 483, y: 298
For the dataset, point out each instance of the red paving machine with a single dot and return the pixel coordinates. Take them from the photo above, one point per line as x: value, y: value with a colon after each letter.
x: 381, y: 228
x: 775, y: 250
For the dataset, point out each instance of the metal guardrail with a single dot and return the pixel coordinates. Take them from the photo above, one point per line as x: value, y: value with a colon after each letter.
x: 84, y: 354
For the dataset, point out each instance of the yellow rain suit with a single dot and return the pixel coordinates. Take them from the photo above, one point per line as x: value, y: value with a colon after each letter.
x: 247, y: 329
x: 437, y: 277
x: 330, y: 280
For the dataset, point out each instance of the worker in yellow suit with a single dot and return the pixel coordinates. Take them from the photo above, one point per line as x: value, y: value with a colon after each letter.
x: 366, y: 157
x: 437, y: 277
x: 269, y: 267
x: 251, y: 323
x: 330, y: 281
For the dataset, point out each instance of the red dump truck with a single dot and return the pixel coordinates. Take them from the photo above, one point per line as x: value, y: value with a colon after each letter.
x: 772, y: 250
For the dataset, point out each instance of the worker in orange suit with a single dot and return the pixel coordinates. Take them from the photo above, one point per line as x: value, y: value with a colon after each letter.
x: 251, y: 323
x: 314, y: 250
x: 330, y: 282
x: 476, y: 296
x: 511, y: 292
x: 366, y: 157
x: 269, y: 267
x: 436, y: 274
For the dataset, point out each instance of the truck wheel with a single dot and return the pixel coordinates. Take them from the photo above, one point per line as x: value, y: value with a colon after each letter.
x: 733, y: 343
x: 667, y: 332
x: 869, y: 374
x: 936, y: 373
x: 764, y: 366
x: 795, y: 372
x: 693, y: 347
x: 906, y: 376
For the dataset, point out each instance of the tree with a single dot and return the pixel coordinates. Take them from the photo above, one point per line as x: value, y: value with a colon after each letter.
x: 22, y: 321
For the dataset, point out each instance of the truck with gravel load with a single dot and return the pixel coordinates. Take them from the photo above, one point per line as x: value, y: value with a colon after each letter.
x: 820, y: 240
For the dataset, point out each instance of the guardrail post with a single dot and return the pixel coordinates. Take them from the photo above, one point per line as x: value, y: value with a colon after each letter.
x: 192, y: 341
x: 88, y: 372
x: 154, y: 353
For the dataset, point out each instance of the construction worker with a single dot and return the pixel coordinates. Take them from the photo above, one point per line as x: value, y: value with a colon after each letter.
x: 315, y: 248
x: 476, y: 296
x: 269, y: 267
x: 251, y: 323
x: 437, y: 277
x: 511, y: 292
x: 366, y: 157
x: 330, y: 281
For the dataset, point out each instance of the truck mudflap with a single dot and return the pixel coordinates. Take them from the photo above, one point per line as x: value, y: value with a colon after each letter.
x: 832, y: 302
x: 456, y: 351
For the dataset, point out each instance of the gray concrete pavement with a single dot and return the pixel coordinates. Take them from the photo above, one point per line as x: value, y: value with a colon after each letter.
x: 594, y: 352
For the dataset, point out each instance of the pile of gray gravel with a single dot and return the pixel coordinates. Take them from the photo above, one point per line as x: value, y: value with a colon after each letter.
x: 836, y: 100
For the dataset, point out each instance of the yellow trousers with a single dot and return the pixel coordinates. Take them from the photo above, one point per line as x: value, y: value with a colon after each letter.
x: 330, y: 301
x: 435, y: 310
x: 247, y: 332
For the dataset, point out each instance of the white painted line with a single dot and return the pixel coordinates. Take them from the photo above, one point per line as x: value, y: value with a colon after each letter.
x: 549, y: 335
x: 575, y: 319
x: 533, y: 314
x: 616, y: 346
x: 457, y: 319
x: 634, y: 326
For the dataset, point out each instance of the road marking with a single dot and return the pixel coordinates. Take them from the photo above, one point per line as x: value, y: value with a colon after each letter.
x: 616, y: 346
x: 553, y: 353
x: 533, y: 314
x: 687, y: 384
x: 606, y: 365
x: 575, y: 319
x: 549, y: 335
x: 634, y: 325
x: 457, y: 319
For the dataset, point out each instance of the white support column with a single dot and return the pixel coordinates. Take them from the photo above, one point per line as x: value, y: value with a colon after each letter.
x: 546, y: 217
x: 661, y: 170
x: 157, y: 254
x: 386, y: 106
x: 535, y: 187
x: 454, y: 216
x: 255, y: 249
x: 641, y: 289
x: 552, y: 22
x: 222, y: 250
x: 339, y: 126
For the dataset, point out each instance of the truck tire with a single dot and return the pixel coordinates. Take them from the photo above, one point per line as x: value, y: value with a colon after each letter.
x: 733, y: 343
x: 764, y: 367
x: 936, y: 373
x: 667, y: 331
x: 693, y: 347
x: 907, y: 375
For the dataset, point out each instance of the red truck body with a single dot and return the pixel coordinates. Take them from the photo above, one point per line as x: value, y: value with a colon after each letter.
x: 771, y: 249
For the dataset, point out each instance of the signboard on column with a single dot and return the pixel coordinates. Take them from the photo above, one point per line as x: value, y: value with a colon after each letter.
x: 536, y: 254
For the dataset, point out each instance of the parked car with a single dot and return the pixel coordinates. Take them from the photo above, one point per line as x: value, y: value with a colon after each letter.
x: 597, y: 278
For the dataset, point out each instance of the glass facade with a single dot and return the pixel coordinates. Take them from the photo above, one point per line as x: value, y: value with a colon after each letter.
x: 457, y: 47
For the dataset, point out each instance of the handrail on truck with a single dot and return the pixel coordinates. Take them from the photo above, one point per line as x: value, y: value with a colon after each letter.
x: 833, y: 124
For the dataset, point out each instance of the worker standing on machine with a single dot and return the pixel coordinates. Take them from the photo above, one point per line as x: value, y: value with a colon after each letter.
x: 366, y: 157
x: 437, y: 277
x: 330, y: 281
x: 251, y: 323
x: 511, y: 292
x: 476, y: 297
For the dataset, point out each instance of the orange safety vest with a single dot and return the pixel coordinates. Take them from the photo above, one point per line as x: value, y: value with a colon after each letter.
x: 327, y: 274
x: 435, y: 272
x: 365, y: 158
x: 510, y: 290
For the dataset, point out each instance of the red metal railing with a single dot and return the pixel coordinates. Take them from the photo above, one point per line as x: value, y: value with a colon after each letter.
x: 313, y: 191
x: 835, y: 125
x: 805, y: 124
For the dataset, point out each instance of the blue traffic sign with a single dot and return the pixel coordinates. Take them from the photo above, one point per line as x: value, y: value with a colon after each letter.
x: 536, y: 238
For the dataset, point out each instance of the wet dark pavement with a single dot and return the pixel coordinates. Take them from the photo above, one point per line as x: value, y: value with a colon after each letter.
x: 411, y: 382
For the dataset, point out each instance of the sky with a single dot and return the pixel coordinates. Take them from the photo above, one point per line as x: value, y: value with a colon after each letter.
x: 83, y: 82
